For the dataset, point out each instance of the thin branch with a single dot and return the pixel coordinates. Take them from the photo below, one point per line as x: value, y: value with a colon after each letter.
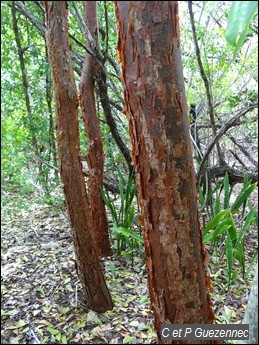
x: 80, y: 20
x: 116, y: 105
x: 107, y: 29
x: 38, y: 3
x: 35, y: 21
x: 238, y: 159
x: 102, y: 85
x: 221, y: 132
x: 235, y: 176
x: 242, y: 149
x: 205, y: 80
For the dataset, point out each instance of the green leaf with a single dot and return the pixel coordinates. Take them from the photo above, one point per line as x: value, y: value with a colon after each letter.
x: 229, y: 253
x: 218, y: 231
x: 226, y: 191
x: 44, y: 340
x: 118, y: 299
x: 214, y: 222
x: 128, y: 339
x: 65, y: 310
x: 232, y: 230
x: 64, y: 339
x: 97, y: 320
x: 21, y: 323
x: 249, y: 219
x: 134, y: 323
x: 81, y: 324
x: 240, y: 16
x: 110, y: 205
x: 26, y: 329
x: 243, y: 196
x: 5, y: 313
x: 238, y: 253
x: 217, y: 204
x: 201, y: 197
x: 52, y: 330
x: 143, y: 299
x: 58, y: 336
x: 128, y: 233
x: 46, y: 308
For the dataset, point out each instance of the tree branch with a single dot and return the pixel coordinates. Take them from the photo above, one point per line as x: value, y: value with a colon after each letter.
x: 235, y: 176
x: 206, y: 81
x: 247, y: 154
x: 225, y: 127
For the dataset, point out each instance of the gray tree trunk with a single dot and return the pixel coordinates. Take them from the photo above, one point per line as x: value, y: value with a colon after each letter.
x: 251, y: 314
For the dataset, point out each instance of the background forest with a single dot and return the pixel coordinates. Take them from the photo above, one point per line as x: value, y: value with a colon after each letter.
x: 42, y: 300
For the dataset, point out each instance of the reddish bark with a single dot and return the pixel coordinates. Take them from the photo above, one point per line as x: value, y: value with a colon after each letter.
x: 155, y: 100
x: 95, y: 155
x: 89, y: 268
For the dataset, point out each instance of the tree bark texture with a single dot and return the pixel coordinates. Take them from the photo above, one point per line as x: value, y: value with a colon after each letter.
x: 89, y: 267
x: 95, y: 154
x: 156, y: 106
x: 251, y: 314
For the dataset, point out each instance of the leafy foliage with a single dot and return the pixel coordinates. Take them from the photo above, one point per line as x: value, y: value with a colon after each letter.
x: 240, y: 16
x: 222, y: 230
x: 123, y: 219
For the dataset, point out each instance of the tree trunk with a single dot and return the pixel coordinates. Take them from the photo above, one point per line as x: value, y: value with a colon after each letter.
x: 89, y: 268
x: 157, y: 110
x: 251, y: 314
x: 95, y: 155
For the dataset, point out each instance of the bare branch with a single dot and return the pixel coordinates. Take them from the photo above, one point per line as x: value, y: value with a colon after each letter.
x: 235, y: 176
x: 225, y: 127
x: 248, y: 156
x: 238, y: 159
x: 35, y: 21
x: 205, y: 80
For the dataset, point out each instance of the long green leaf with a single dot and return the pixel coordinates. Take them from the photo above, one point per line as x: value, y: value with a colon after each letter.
x: 217, y: 204
x: 240, y: 255
x: 128, y: 233
x: 110, y: 205
x: 232, y: 231
x: 249, y: 219
x: 243, y: 196
x: 201, y: 197
x: 213, y: 223
x: 229, y: 253
x: 214, y: 234
x: 214, y: 190
x: 240, y: 16
x: 226, y: 191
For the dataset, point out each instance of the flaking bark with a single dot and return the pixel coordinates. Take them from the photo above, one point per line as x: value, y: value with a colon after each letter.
x: 95, y: 154
x: 155, y: 101
x: 89, y: 268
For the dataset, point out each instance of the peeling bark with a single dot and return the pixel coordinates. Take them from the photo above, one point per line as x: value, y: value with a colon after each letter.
x: 89, y: 267
x: 95, y: 154
x: 155, y: 101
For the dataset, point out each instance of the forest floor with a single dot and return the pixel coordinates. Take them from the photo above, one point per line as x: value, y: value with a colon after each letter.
x: 42, y: 302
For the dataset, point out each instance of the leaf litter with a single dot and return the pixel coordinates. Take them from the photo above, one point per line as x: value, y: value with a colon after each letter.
x: 42, y: 301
